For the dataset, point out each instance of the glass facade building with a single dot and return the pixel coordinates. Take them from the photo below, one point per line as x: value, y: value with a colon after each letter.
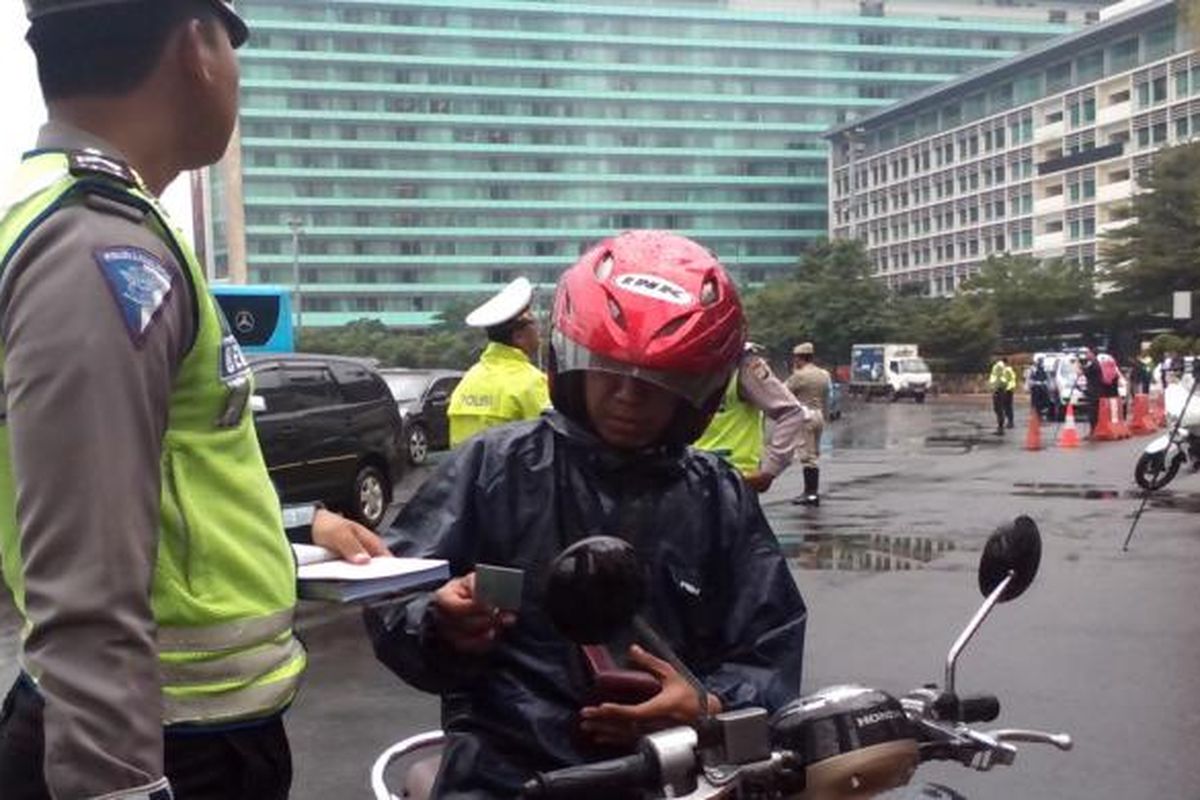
x: 1039, y: 155
x: 418, y: 152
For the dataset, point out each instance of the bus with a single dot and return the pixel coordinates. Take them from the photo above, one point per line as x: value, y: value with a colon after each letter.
x: 260, y: 317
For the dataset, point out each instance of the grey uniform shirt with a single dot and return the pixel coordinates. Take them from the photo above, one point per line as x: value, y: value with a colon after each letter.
x: 758, y: 386
x: 87, y: 406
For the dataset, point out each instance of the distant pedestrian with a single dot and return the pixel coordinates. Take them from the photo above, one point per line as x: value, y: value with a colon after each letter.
x: 1039, y: 390
x: 1094, y: 386
x: 1143, y: 372
x: 1003, y: 383
x: 810, y: 384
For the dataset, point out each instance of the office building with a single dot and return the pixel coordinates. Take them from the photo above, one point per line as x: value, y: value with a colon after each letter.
x: 420, y: 152
x: 1038, y: 155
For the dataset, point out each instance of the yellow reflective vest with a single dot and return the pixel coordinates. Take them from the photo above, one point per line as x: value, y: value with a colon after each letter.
x: 1003, y: 377
x: 224, y: 588
x: 503, y: 386
x: 736, y: 431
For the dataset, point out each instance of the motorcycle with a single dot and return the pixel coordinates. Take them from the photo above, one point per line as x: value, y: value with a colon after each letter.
x: 1162, y: 459
x: 840, y: 743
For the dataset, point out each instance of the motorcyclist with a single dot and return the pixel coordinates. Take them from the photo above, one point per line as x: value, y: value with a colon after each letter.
x: 647, y: 331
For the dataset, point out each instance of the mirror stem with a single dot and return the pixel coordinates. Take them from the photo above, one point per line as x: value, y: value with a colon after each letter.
x: 659, y: 647
x: 972, y: 627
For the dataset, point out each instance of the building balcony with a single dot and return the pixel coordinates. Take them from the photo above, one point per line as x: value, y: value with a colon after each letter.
x: 1050, y: 244
x: 1054, y: 130
x: 1114, y: 113
x: 1081, y: 159
x: 1110, y: 192
x: 1112, y: 225
x: 1049, y: 205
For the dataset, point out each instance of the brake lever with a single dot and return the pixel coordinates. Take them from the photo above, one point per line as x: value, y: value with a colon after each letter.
x: 1062, y: 741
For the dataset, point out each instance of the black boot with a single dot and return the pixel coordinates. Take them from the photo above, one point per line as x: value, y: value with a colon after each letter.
x: 811, y: 485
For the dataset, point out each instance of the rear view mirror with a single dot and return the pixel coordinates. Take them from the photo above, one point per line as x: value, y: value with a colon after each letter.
x: 258, y: 403
x: 438, y: 396
x: 594, y: 590
x: 1015, y: 548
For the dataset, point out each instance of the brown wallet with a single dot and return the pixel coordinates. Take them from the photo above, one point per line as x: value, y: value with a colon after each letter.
x: 614, y: 684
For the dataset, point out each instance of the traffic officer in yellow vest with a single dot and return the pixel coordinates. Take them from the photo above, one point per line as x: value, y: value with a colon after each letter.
x: 1003, y: 383
x: 140, y: 535
x: 504, y: 385
x: 810, y: 384
x: 737, y: 431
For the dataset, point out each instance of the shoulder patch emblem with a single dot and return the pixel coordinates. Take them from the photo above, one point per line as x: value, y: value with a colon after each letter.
x: 139, y: 282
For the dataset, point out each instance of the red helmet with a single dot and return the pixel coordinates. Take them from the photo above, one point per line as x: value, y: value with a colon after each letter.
x: 653, y: 305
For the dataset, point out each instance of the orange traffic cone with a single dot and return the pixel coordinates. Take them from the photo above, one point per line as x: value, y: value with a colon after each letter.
x: 1104, y: 430
x: 1069, y: 435
x: 1033, y: 437
x: 1160, y: 410
x: 1143, y: 421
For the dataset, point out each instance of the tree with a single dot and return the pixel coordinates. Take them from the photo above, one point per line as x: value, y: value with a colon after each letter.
x: 959, y: 334
x: 1159, y: 252
x: 831, y: 301
x: 1025, y: 291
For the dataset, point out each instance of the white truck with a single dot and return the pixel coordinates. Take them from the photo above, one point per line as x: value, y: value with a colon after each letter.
x: 889, y: 370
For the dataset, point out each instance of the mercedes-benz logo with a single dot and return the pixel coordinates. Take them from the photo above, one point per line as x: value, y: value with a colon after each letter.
x: 244, y: 321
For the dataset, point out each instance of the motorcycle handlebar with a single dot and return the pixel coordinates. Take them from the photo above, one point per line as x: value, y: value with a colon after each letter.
x: 601, y: 779
x: 978, y: 708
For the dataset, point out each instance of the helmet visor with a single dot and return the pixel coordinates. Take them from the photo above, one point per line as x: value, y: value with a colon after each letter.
x: 696, y: 389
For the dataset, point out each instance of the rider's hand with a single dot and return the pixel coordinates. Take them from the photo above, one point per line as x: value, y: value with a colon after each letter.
x: 351, y: 541
x: 759, y: 481
x: 676, y: 704
x: 463, y: 622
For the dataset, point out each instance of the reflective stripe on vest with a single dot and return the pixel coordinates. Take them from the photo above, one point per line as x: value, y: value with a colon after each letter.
x: 224, y: 593
x: 736, y: 431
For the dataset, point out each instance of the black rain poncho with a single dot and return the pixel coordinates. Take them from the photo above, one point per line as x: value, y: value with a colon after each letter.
x: 720, y: 590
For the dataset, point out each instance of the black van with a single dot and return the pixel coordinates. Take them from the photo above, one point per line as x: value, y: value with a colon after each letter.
x: 329, y: 431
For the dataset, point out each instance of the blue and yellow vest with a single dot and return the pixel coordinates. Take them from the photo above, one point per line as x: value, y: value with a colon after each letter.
x: 224, y: 589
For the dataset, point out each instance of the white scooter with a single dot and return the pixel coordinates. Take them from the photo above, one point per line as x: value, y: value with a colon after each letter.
x: 842, y: 743
x: 1161, y: 460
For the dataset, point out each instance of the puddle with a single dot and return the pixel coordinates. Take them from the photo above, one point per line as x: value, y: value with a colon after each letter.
x: 1079, y: 491
x: 966, y: 442
x: 1172, y: 501
x: 863, y: 552
x: 1164, y: 499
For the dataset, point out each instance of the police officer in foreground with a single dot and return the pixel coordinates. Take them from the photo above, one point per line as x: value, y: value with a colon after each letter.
x: 140, y: 535
x: 811, y: 385
x: 737, y: 431
x: 504, y: 385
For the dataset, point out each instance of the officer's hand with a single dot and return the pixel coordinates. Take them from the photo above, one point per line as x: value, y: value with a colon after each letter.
x: 677, y: 704
x: 759, y: 481
x: 347, y: 538
x: 463, y: 622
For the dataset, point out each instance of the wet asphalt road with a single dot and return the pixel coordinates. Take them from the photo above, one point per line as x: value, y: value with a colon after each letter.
x: 1105, y: 645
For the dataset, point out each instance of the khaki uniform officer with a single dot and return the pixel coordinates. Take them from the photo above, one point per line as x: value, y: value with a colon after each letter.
x: 140, y: 535
x: 504, y: 385
x: 810, y: 384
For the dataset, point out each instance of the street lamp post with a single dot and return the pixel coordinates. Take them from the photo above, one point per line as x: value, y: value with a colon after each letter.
x: 297, y: 227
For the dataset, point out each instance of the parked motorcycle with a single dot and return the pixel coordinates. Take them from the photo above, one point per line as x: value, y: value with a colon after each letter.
x: 840, y: 743
x: 1162, y: 459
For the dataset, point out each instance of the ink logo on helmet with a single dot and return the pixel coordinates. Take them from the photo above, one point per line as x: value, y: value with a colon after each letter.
x: 654, y: 287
